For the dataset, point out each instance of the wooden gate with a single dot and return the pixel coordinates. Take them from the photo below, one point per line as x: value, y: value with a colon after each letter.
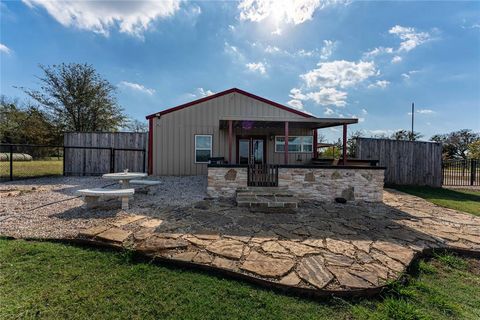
x: 262, y: 175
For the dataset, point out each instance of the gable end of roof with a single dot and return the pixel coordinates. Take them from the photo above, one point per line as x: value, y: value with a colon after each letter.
x: 232, y: 90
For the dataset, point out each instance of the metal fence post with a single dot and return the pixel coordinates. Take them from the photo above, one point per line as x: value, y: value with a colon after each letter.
x: 473, y: 171
x: 64, y: 160
x: 144, y: 159
x: 11, y: 163
x: 112, y: 160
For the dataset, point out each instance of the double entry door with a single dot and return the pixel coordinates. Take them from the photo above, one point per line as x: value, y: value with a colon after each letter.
x: 251, y: 150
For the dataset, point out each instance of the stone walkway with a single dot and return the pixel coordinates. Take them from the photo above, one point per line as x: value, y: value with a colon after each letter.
x: 318, y: 247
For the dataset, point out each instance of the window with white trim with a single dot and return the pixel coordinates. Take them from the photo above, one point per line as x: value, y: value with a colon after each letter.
x: 203, y: 148
x: 295, y: 144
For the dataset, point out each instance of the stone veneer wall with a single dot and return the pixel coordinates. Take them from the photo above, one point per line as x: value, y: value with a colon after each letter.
x: 323, y: 184
x: 224, y: 181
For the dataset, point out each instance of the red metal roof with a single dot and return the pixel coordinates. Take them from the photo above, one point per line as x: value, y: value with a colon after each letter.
x: 216, y: 95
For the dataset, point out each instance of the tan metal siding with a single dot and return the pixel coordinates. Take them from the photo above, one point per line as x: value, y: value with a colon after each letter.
x: 173, y: 133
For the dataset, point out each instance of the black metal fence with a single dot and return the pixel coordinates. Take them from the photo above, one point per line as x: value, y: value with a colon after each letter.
x: 21, y: 161
x: 461, y: 172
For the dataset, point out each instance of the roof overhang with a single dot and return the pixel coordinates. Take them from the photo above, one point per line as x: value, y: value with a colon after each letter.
x: 275, y: 122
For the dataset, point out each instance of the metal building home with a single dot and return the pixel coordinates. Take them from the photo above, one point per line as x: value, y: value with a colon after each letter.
x: 244, y: 139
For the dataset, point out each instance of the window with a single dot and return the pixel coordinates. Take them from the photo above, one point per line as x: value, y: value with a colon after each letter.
x: 203, y: 148
x: 295, y: 144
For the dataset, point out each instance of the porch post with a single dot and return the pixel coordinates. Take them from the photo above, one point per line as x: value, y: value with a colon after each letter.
x: 315, y: 143
x: 230, y: 141
x: 344, y: 160
x: 150, y: 147
x: 286, y: 142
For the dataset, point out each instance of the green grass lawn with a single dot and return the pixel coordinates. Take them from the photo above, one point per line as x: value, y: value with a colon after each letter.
x: 51, y: 280
x: 36, y: 168
x: 463, y: 200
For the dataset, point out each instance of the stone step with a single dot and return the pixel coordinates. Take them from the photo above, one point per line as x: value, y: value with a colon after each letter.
x: 264, y: 191
x: 256, y: 201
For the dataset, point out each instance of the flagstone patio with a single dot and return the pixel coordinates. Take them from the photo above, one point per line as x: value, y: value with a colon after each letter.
x: 318, y: 247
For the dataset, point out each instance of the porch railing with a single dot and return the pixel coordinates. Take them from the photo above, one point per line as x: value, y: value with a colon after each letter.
x: 262, y: 175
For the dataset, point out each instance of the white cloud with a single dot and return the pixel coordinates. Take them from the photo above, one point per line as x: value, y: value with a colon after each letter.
x: 377, y: 51
x: 296, y: 104
x: 379, y: 84
x: 272, y: 49
x: 410, y: 37
x: 323, y: 53
x: 297, y: 94
x: 339, y: 73
x: 396, y: 59
x: 5, y: 49
x: 322, y: 84
x: 256, y: 67
x: 304, y: 53
x: 327, y: 49
x: 364, y: 111
x: 131, y: 17
x: 324, y: 96
x: 137, y: 87
x: 204, y: 93
x: 407, y: 75
x: 295, y: 12
x: 234, y: 52
x: 328, y: 112
x: 425, y: 111
x: 277, y: 32
x: 328, y: 97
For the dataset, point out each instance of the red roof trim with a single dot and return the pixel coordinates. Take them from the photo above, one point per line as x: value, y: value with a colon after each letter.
x: 213, y: 96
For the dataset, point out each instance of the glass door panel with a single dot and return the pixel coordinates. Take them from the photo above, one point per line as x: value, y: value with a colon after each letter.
x: 257, y: 151
x: 243, y: 151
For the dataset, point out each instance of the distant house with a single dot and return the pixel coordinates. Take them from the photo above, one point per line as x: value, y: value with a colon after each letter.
x: 234, y: 127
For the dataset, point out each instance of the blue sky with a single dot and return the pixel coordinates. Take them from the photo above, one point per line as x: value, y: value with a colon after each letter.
x: 331, y: 58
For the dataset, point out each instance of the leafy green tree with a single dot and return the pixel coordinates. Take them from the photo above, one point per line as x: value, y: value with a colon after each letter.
x: 474, y: 150
x: 78, y: 98
x: 334, y: 152
x: 135, y: 125
x: 456, y: 144
x: 406, y: 135
x: 352, y: 143
x: 25, y: 124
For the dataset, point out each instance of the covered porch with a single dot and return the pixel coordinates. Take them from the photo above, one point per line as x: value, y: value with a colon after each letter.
x: 274, y: 140
x: 304, y: 178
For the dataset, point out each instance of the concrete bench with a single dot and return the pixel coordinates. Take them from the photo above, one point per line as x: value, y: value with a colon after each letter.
x: 144, y: 184
x: 91, y: 196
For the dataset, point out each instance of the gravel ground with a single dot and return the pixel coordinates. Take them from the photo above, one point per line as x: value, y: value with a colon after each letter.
x: 49, y: 208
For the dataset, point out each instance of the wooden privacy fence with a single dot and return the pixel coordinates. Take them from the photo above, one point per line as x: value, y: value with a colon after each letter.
x: 95, y: 153
x: 406, y: 162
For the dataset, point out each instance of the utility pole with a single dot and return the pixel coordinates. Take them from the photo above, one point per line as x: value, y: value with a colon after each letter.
x: 413, y: 117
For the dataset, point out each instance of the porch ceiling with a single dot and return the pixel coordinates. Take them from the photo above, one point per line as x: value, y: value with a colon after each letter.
x: 276, y: 122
